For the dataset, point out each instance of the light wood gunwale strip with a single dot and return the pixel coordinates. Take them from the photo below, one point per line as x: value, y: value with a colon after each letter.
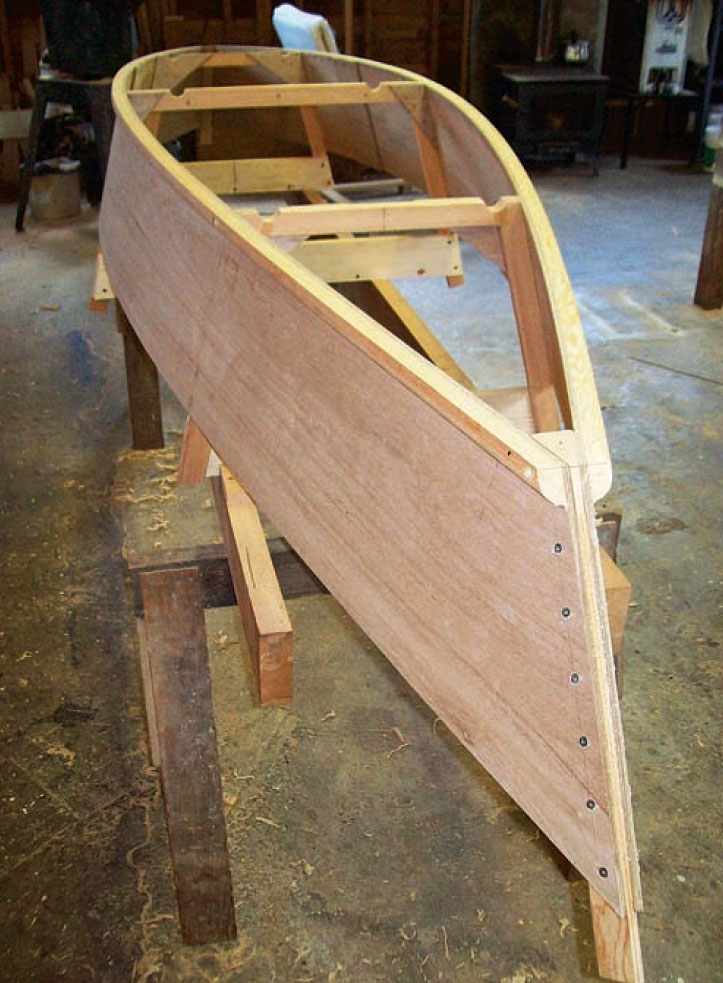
x: 519, y: 452
x: 263, y: 96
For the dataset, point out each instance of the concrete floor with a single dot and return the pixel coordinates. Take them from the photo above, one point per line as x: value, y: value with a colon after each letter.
x: 408, y: 866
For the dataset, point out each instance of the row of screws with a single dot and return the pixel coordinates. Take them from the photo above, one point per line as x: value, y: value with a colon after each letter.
x: 575, y: 679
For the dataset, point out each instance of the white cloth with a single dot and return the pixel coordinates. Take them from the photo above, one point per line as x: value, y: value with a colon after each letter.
x: 307, y: 32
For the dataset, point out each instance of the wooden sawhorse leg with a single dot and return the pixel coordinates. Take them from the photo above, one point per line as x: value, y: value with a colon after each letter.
x: 144, y: 394
x: 261, y: 604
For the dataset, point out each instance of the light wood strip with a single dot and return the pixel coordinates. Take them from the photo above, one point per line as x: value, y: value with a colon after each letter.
x: 254, y: 96
x: 227, y: 177
x: 381, y: 257
x: 616, y: 945
x: 407, y: 216
x: 539, y: 366
x: 263, y: 612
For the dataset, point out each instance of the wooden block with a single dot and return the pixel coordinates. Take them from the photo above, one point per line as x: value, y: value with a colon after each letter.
x: 263, y: 612
x: 144, y: 394
x: 617, y: 948
x: 381, y: 257
x: 178, y: 659
x: 195, y: 453
x: 102, y: 289
x: 617, y: 596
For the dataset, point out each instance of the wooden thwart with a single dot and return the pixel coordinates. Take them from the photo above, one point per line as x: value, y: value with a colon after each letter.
x: 146, y: 101
x: 406, y: 216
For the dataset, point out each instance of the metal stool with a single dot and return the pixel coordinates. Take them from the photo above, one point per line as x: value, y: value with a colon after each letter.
x: 90, y: 97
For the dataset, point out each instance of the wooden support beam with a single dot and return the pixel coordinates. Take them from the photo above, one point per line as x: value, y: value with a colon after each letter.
x: 381, y: 257
x: 398, y: 216
x: 175, y: 636
x: 294, y: 577
x: 144, y: 394
x: 254, y: 176
x: 195, y: 453
x: 434, y: 176
x: 314, y: 132
x: 538, y: 360
x: 263, y: 612
x: 146, y: 101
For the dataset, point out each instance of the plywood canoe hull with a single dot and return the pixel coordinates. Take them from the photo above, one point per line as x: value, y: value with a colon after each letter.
x: 463, y: 546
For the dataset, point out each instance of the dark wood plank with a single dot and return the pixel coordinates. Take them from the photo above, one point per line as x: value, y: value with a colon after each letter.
x: 709, y: 289
x: 144, y: 395
x: 295, y: 578
x: 178, y: 658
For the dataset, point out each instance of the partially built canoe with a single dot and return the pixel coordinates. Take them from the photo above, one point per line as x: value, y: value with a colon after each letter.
x: 457, y: 528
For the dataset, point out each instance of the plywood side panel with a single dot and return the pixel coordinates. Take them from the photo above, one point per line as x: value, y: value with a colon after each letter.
x: 416, y: 529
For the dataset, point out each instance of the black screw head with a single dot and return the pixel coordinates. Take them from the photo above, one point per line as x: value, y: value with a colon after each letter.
x: 590, y: 804
x: 574, y: 678
x: 583, y: 741
x: 602, y: 871
x: 566, y: 612
x: 557, y: 547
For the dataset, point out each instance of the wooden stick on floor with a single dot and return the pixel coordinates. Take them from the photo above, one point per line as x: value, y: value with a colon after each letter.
x: 175, y: 635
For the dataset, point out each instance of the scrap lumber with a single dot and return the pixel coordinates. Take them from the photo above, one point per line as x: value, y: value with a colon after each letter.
x: 177, y: 656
